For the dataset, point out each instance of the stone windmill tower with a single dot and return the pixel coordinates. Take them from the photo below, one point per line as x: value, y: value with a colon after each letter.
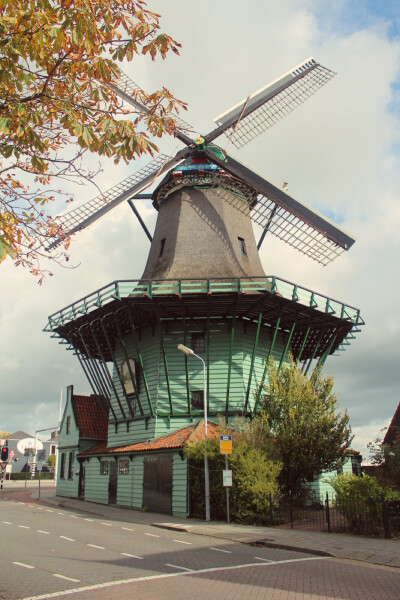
x: 204, y: 287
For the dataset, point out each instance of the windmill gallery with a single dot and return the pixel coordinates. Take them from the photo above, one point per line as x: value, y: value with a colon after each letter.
x: 204, y: 287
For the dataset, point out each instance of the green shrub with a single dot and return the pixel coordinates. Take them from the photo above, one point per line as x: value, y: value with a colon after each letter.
x: 359, y: 500
x: 254, y: 479
x: 20, y: 476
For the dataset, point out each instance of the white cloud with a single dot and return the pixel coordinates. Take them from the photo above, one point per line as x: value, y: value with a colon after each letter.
x: 339, y: 152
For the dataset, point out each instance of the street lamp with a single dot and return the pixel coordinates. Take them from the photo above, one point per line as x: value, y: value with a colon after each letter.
x: 189, y: 352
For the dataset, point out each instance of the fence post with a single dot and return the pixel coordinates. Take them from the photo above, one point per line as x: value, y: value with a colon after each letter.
x: 328, y: 515
x: 271, y: 510
x: 385, y: 518
x: 291, y: 509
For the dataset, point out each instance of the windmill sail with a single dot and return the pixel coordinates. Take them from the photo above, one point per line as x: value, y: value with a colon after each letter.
x: 284, y: 216
x: 127, y: 91
x: 83, y: 215
x: 260, y: 111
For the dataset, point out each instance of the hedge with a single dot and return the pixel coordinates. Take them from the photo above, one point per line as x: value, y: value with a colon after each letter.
x: 23, y: 476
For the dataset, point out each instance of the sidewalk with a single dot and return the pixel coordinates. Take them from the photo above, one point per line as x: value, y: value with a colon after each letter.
x: 371, y: 550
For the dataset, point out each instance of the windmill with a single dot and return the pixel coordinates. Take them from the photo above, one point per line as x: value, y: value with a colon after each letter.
x: 203, y: 286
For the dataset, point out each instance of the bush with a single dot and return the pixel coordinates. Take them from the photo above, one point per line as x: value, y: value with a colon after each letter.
x: 359, y: 500
x: 254, y: 479
x: 27, y: 475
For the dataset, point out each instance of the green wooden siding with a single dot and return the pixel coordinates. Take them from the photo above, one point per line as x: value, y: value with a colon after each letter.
x: 164, y: 367
x: 137, y: 481
x: 66, y: 486
x: 124, y: 484
x: 320, y: 486
x: 137, y: 431
x: 67, y: 443
x: 179, y: 486
x: 96, y: 485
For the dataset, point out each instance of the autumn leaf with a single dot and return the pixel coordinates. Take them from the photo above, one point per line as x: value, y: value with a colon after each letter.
x: 53, y: 57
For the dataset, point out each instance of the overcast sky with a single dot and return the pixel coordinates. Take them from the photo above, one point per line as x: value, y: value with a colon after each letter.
x: 339, y: 153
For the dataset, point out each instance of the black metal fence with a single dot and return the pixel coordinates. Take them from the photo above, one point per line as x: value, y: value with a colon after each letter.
x: 334, y: 514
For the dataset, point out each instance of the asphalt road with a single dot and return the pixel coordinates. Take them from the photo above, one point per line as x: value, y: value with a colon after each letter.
x: 50, y: 553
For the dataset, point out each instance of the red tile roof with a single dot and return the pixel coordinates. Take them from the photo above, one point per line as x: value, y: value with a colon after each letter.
x: 90, y: 416
x: 176, y: 439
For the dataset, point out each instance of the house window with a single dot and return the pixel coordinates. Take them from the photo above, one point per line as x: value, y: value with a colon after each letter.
x: 242, y: 246
x: 53, y: 450
x: 198, y: 342
x: 126, y: 369
x: 162, y: 246
x: 124, y: 467
x: 198, y: 399
x: 68, y: 424
x: 71, y: 466
x: 62, y: 470
x: 104, y: 466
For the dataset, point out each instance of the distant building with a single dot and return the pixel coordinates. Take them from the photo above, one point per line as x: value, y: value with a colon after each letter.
x: 22, y: 444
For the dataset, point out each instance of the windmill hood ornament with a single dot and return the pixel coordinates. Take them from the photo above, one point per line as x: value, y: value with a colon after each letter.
x: 203, y: 287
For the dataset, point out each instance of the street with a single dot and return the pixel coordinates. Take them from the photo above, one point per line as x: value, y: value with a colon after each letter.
x: 47, y: 552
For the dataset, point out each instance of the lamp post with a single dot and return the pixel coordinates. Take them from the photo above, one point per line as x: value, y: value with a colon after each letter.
x: 189, y: 352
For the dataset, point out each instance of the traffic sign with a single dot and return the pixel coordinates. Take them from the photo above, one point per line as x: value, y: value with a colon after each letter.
x: 41, y: 454
x: 11, y: 456
x: 225, y: 444
x: 3, y: 466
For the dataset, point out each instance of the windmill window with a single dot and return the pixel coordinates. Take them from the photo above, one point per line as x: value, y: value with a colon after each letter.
x: 124, y: 467
x: 198, y: 399
x: 129, y: 368
x: 104, y: 467
x: 198, y: 342
x: 68, y: 426
x: 162, y: 245
x: 242, y: 246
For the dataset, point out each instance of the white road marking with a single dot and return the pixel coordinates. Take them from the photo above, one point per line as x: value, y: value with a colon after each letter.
x: 49, y: 510
x: 74, y: 517
x: 88, y: 519
x: 63, y: 537
x: 90, y: 588
x: 23, y: 565
x: 40, y: 531
x: 264, y: 559
x: 66, y: 578
x: 182, y: 542
x: 60, y: 513
x: 39, y: 507
x: 94, y: 546
x: 132, y: 555
x: 127, y: 529
x: 220, y: 550
x: 7, y: 523
x: 152, y: 534
x: 107, y: 524
x: 178, y: 567
x: 21, y: 502
x: 24, y: 526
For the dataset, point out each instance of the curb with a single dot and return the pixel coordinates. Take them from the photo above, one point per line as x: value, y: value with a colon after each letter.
x: 266, y: 543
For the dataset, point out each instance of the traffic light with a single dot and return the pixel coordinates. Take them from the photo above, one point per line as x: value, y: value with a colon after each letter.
x: 4, y: 453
